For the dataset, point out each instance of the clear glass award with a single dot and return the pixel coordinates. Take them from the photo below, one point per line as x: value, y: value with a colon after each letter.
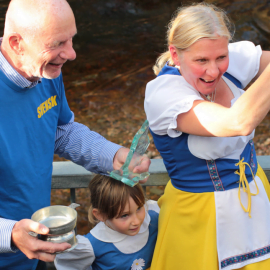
x: 138, y: 147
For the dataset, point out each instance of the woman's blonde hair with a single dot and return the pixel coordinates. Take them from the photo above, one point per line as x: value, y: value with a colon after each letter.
x: 110, y: 197
x: 192, y: 23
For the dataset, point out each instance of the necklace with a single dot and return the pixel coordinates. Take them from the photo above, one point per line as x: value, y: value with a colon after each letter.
x: 211, y: 98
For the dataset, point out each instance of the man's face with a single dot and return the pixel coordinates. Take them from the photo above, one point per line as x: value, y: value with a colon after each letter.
x: 44, y: 55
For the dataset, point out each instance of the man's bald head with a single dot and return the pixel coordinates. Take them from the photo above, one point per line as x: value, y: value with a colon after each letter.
x: 38, y: 37
x: 29, y: 17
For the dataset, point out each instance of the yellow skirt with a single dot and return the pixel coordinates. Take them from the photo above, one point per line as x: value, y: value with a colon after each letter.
x: 187, y: 231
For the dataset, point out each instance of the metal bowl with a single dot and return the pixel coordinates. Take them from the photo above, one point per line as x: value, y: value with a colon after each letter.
x: 58, y: 218
x: 69, y: 237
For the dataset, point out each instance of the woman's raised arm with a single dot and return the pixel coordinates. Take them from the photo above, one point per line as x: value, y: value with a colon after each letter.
x: 211, y: 119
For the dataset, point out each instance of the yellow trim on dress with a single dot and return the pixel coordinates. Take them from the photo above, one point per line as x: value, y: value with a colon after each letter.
x: 244, y: 183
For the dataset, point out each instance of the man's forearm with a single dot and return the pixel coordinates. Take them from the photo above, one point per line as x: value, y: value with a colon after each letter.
x: 79, y: 144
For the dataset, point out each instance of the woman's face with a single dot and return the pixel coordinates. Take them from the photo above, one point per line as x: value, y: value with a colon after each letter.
x: 203, y: 63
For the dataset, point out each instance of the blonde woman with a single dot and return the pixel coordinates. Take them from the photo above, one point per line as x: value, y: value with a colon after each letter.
x: 215, y: 211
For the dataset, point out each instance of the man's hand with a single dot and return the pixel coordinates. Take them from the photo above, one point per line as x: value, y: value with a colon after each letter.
x: 31, y: 246
x: 120, y: 158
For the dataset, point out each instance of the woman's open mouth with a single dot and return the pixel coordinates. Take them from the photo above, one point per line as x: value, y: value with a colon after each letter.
x: 207, y: 81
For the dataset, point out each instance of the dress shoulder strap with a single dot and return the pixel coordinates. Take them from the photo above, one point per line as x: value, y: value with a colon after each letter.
x: 233, y: 80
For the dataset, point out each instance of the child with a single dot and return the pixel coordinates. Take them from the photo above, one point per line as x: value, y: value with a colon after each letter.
x: 126, y: 230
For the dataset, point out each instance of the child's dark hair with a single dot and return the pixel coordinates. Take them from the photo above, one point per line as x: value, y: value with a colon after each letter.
x: 110, y: 197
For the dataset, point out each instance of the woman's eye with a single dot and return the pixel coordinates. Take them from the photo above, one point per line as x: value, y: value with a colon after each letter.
x: 201, y: 60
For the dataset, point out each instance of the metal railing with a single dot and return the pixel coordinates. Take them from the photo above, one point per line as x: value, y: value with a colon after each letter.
x: 67, y: 175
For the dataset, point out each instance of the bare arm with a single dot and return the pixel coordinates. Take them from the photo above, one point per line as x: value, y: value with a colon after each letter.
x: 210, y: 119
x: 264, y: 61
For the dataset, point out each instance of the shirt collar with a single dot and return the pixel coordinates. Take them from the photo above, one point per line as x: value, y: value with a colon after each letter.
x: 106, y: 234
x: 13, y: 75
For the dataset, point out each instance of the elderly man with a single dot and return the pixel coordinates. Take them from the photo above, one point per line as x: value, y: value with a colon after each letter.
x: 36, y: 122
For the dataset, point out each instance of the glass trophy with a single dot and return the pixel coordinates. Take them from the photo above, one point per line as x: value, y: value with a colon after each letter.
x: 138, y: 147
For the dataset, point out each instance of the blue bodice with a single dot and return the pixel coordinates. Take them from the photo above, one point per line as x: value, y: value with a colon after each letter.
x: 193, y: 174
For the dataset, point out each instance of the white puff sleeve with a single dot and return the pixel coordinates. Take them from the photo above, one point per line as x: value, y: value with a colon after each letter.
x: 80, y: 258
x: 166, y: 97
x: 244, y: 61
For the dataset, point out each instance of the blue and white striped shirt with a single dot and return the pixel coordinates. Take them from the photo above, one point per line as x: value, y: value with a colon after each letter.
x: 73, y: 141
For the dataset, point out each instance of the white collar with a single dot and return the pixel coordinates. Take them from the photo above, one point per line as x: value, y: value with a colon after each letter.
x: 105, y: 234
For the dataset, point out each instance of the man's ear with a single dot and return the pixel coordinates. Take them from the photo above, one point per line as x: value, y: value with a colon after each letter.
x: 15, y: 43
x: 98, y: 215
x: 174, y: 55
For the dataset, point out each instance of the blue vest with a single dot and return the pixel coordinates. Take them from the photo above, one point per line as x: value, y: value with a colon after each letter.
x: 29, y: 119
x: 108, y: 257
x: 192, y: 174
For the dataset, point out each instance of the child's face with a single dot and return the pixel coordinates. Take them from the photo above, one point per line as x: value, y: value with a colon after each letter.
x: 130, y: 221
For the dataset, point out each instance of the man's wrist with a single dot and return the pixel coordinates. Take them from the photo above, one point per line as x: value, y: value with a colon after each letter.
x: 6, y: 244
x: 107, y: 156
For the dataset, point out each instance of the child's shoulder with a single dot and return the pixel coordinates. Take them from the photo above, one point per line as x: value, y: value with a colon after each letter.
x: 152, y: 205
x: 82, y: 252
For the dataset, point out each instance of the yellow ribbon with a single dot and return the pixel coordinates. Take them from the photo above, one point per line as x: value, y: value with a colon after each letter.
x: 244, y: 182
